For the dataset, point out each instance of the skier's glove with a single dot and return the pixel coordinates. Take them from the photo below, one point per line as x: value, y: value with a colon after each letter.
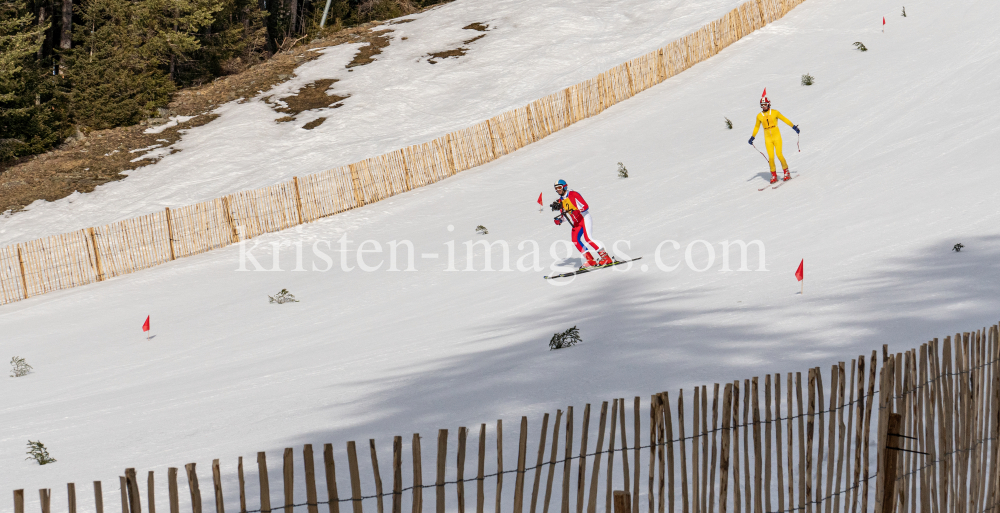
x: 751, y: 141
x: 796, y: 128
x: 558, y: 221
x: 556, y: 206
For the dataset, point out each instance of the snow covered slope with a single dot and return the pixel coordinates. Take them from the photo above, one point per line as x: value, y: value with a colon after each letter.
x: 898, y: 164
x: 399, y: 100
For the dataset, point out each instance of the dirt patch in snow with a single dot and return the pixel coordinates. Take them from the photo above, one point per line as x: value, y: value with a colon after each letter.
x: 434, y: 57
x: 482, y: 27
x: 309, y: 97
x: 86, y: 162
x: 314, y: 123
x: 366, y: 54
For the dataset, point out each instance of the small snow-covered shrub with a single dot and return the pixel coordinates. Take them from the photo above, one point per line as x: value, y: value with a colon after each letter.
x: 807, y: 79
x: 19, y: 367
x: 38, y: 452
x: 481, y: 230
x: 729, y: 124
x: 860, y: 46
x: 283, y: 297
x: 568, y: 338
x: 957, y: 247
x: 622, y: 172
x: 904, y: 11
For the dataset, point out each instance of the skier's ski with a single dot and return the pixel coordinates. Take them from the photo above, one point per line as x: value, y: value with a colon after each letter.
x: 783, y: 182
x: 588, y: 269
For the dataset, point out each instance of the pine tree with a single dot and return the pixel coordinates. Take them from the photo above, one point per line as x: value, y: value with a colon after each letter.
x: 32, y: 112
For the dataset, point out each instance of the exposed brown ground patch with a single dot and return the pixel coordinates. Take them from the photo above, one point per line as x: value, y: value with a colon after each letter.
x: 309, y: 97
x: 84, y: 164
x: 376, y: 42
x: 314, y: 123
x: 473, y: 40
x: 434, y: 57
x: 477, y: 26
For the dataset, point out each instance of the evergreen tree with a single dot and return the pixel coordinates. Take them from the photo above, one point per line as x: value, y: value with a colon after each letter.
x: 32, y: 113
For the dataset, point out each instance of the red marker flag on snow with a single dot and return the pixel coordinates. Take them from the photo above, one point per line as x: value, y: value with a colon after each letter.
x: 883, y: 21
x: 145, y: 325
x: 540, y: 203
x: 800, y: 273
x: 764, y: 94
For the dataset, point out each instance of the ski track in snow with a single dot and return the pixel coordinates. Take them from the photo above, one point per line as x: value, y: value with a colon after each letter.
x: 898, y: 151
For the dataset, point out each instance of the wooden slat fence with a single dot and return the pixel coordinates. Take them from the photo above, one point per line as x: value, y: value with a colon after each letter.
x: 95, y: 254
x: 917, y: 433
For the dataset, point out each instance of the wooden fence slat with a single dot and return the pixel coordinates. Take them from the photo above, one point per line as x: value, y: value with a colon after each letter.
x: 595, y: 474
x: 288, y: 478
x: 780, y: 474
x: 123, y: 494
x: 309, y: 467
x: 442, y: 456
x: 727, y: 414
x: 538, y: 463
x: 810, y: 425
x: 522, y: 448
x: 737, y: 496
x: 758, y: 503
x: 352, y: 467
x: 265, y: 487
x: 481, y: 472
x: 217, y: 486
x: 820, y: 399
x: 703, y: 500
x: 499, y: 464
x: 841, y: 431
x: 150, y: 492
x: 635, y: 445
x: 567, y: 460
x: 331, y: 478
x: 192, y: 476
x: 45, y: 497
x: 767, y: 443
x: 695, y: 460
x: 747, y: 487
x: 868, y: 415
x: 380, y: 504
x: 173, y: 494
x: 831, y: 442
x: 463, y: 434
x: 715, y: 424
x: 802, y: 442
x: 397, y: 476
x: 242, y: 481
x: 552, y: 461
x: 859, y: 386
x: 657, y: 446
x: 685, y: 499
x: 71, y: 497
x: 581, y: 473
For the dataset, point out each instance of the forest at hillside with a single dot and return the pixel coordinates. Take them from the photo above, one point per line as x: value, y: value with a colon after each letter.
x: 68, y: 65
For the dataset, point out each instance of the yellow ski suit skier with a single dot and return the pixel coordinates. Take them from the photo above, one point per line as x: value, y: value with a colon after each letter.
x: 772, y: 137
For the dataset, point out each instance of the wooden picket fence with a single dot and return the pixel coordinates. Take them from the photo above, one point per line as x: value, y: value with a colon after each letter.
x: 94, y: 254
x: 936, y: 447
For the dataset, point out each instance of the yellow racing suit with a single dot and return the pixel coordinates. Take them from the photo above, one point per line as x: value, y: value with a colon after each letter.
x: 772, y: 137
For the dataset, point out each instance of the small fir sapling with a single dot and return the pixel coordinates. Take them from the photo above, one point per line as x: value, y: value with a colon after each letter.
x: 957, y: 247
x: 19, y: 367
x: 622, y: 172
x: 481, y: 230
x: 568, y: 338
x: 904, y: 11
x: 807, y: 80
x: 860, y: 46
x: 729, y: 124
x: 38, y: 452
x: 282, y: 297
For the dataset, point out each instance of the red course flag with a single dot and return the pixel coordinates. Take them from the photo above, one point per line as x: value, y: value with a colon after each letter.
x: 800, y: 273
x: 540, y: 199
x: 145, y: 325
x: 883, y: 21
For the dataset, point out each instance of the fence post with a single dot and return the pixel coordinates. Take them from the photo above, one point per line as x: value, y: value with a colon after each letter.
x: 134, y: 501
x: 623, y: 502
x: 24, y: 280
x: 217, y: 484
x: 71, y: 497
x: 172, y: 494
x: 298, y: 199
x: 288, y: 475
x: 45, y: 495
x: 892, y: 441
x: 123, y: 488
x: 352, y: 465
x: 149, y: 492
x: 233, y: 235
x: 98, y: 497
x: 170, y: 235
x: 310, y: 469
x: 359, y: 198
x: 19, y: 501
x: 193, y: 487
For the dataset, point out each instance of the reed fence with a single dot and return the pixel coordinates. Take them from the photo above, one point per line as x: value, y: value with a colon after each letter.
x: 931, y: 427
x: 94, y: 254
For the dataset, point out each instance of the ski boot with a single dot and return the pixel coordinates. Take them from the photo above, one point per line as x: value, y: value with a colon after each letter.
x: 774, y: 177
x: 590, y: 260
x: 788, y: 176
x: 605, y: 259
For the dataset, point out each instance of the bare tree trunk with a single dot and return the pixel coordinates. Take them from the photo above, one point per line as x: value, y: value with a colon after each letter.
x: 293, y: 9
x: 66, y: 40
x: 42, y: 17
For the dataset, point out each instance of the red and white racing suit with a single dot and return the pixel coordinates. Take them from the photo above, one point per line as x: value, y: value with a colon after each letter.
x: 578, y: 212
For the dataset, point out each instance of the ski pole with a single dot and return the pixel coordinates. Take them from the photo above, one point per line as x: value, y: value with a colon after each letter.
x: 761, y: 153
x: 797, y: 137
